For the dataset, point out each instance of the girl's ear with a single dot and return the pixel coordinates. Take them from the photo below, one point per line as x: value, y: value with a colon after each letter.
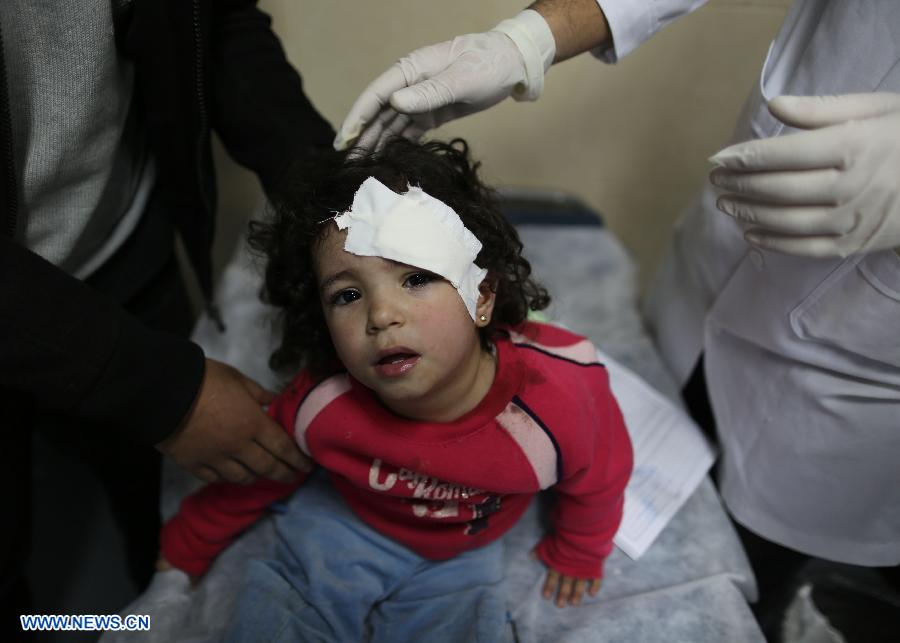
x: 485, y: 306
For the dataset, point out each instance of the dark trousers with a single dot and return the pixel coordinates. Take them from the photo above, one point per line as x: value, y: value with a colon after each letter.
x: 144, y: 277
x: 776, y: 568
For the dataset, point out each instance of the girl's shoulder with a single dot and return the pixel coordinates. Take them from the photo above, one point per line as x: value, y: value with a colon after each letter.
x: 304, y: 386
x: 553, y: 342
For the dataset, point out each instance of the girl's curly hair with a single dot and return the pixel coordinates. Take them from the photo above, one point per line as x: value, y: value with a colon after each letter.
x: 324, y: 184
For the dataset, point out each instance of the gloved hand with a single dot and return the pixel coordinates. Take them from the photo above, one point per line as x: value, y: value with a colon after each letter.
x: 441, y: 82
x: 831, y: 191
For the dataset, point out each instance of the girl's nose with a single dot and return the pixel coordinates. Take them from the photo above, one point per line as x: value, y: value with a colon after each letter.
x: 383, y: 314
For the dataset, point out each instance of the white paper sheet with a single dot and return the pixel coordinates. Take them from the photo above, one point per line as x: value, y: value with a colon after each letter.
x: 671, y: 457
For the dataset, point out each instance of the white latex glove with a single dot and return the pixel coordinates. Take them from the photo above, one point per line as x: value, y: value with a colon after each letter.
x: 441, y: 82
x: 831, y: 191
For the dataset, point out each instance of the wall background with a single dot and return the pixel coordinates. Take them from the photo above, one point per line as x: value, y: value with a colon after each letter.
x: 630, y: 139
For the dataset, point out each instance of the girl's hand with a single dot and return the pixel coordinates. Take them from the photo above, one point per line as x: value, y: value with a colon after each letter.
x: 162, y: 565
x: 568, y: 589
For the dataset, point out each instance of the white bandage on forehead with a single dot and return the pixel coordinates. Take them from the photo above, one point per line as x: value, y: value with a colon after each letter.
x: 416, y: 229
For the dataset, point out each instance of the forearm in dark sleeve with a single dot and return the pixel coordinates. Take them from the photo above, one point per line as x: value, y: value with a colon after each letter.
x: 260, y: 110
x: 78, y: 353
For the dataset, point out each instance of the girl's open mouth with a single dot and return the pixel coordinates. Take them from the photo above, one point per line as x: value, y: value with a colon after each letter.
x: 396, y: 363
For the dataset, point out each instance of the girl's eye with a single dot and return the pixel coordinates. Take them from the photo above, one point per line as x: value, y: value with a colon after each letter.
x: 418, y: 279
x: 345, y: 297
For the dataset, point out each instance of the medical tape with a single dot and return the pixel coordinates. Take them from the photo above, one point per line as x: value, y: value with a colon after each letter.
x: 416, y: 229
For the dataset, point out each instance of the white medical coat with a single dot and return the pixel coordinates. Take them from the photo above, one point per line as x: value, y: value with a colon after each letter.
x: 802, y: 356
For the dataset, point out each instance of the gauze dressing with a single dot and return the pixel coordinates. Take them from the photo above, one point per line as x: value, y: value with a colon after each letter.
x: 416, y: 229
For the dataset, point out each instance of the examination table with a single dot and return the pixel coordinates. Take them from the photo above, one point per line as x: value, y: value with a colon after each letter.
x: 693, y: 583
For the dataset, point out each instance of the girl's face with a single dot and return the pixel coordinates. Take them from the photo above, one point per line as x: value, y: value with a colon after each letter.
x: 403, y: 332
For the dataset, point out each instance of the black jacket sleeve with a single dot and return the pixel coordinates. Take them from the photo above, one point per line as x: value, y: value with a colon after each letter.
x: 78, y: 353
x: 259, y: 108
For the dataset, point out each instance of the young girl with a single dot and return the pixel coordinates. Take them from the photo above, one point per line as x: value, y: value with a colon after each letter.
x: 436, y: 409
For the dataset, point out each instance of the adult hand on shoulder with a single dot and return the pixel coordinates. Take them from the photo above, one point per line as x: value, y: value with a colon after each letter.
x: 831, y: 191
x: 442, y: 82
x: 227, y: 435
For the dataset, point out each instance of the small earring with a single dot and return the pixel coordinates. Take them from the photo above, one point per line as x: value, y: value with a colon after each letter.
x: 482, y: 318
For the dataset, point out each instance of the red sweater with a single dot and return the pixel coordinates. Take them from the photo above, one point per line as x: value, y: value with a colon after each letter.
x: 549, y: 420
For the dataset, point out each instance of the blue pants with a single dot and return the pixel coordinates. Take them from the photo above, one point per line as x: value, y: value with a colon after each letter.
x: 336, y: 579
